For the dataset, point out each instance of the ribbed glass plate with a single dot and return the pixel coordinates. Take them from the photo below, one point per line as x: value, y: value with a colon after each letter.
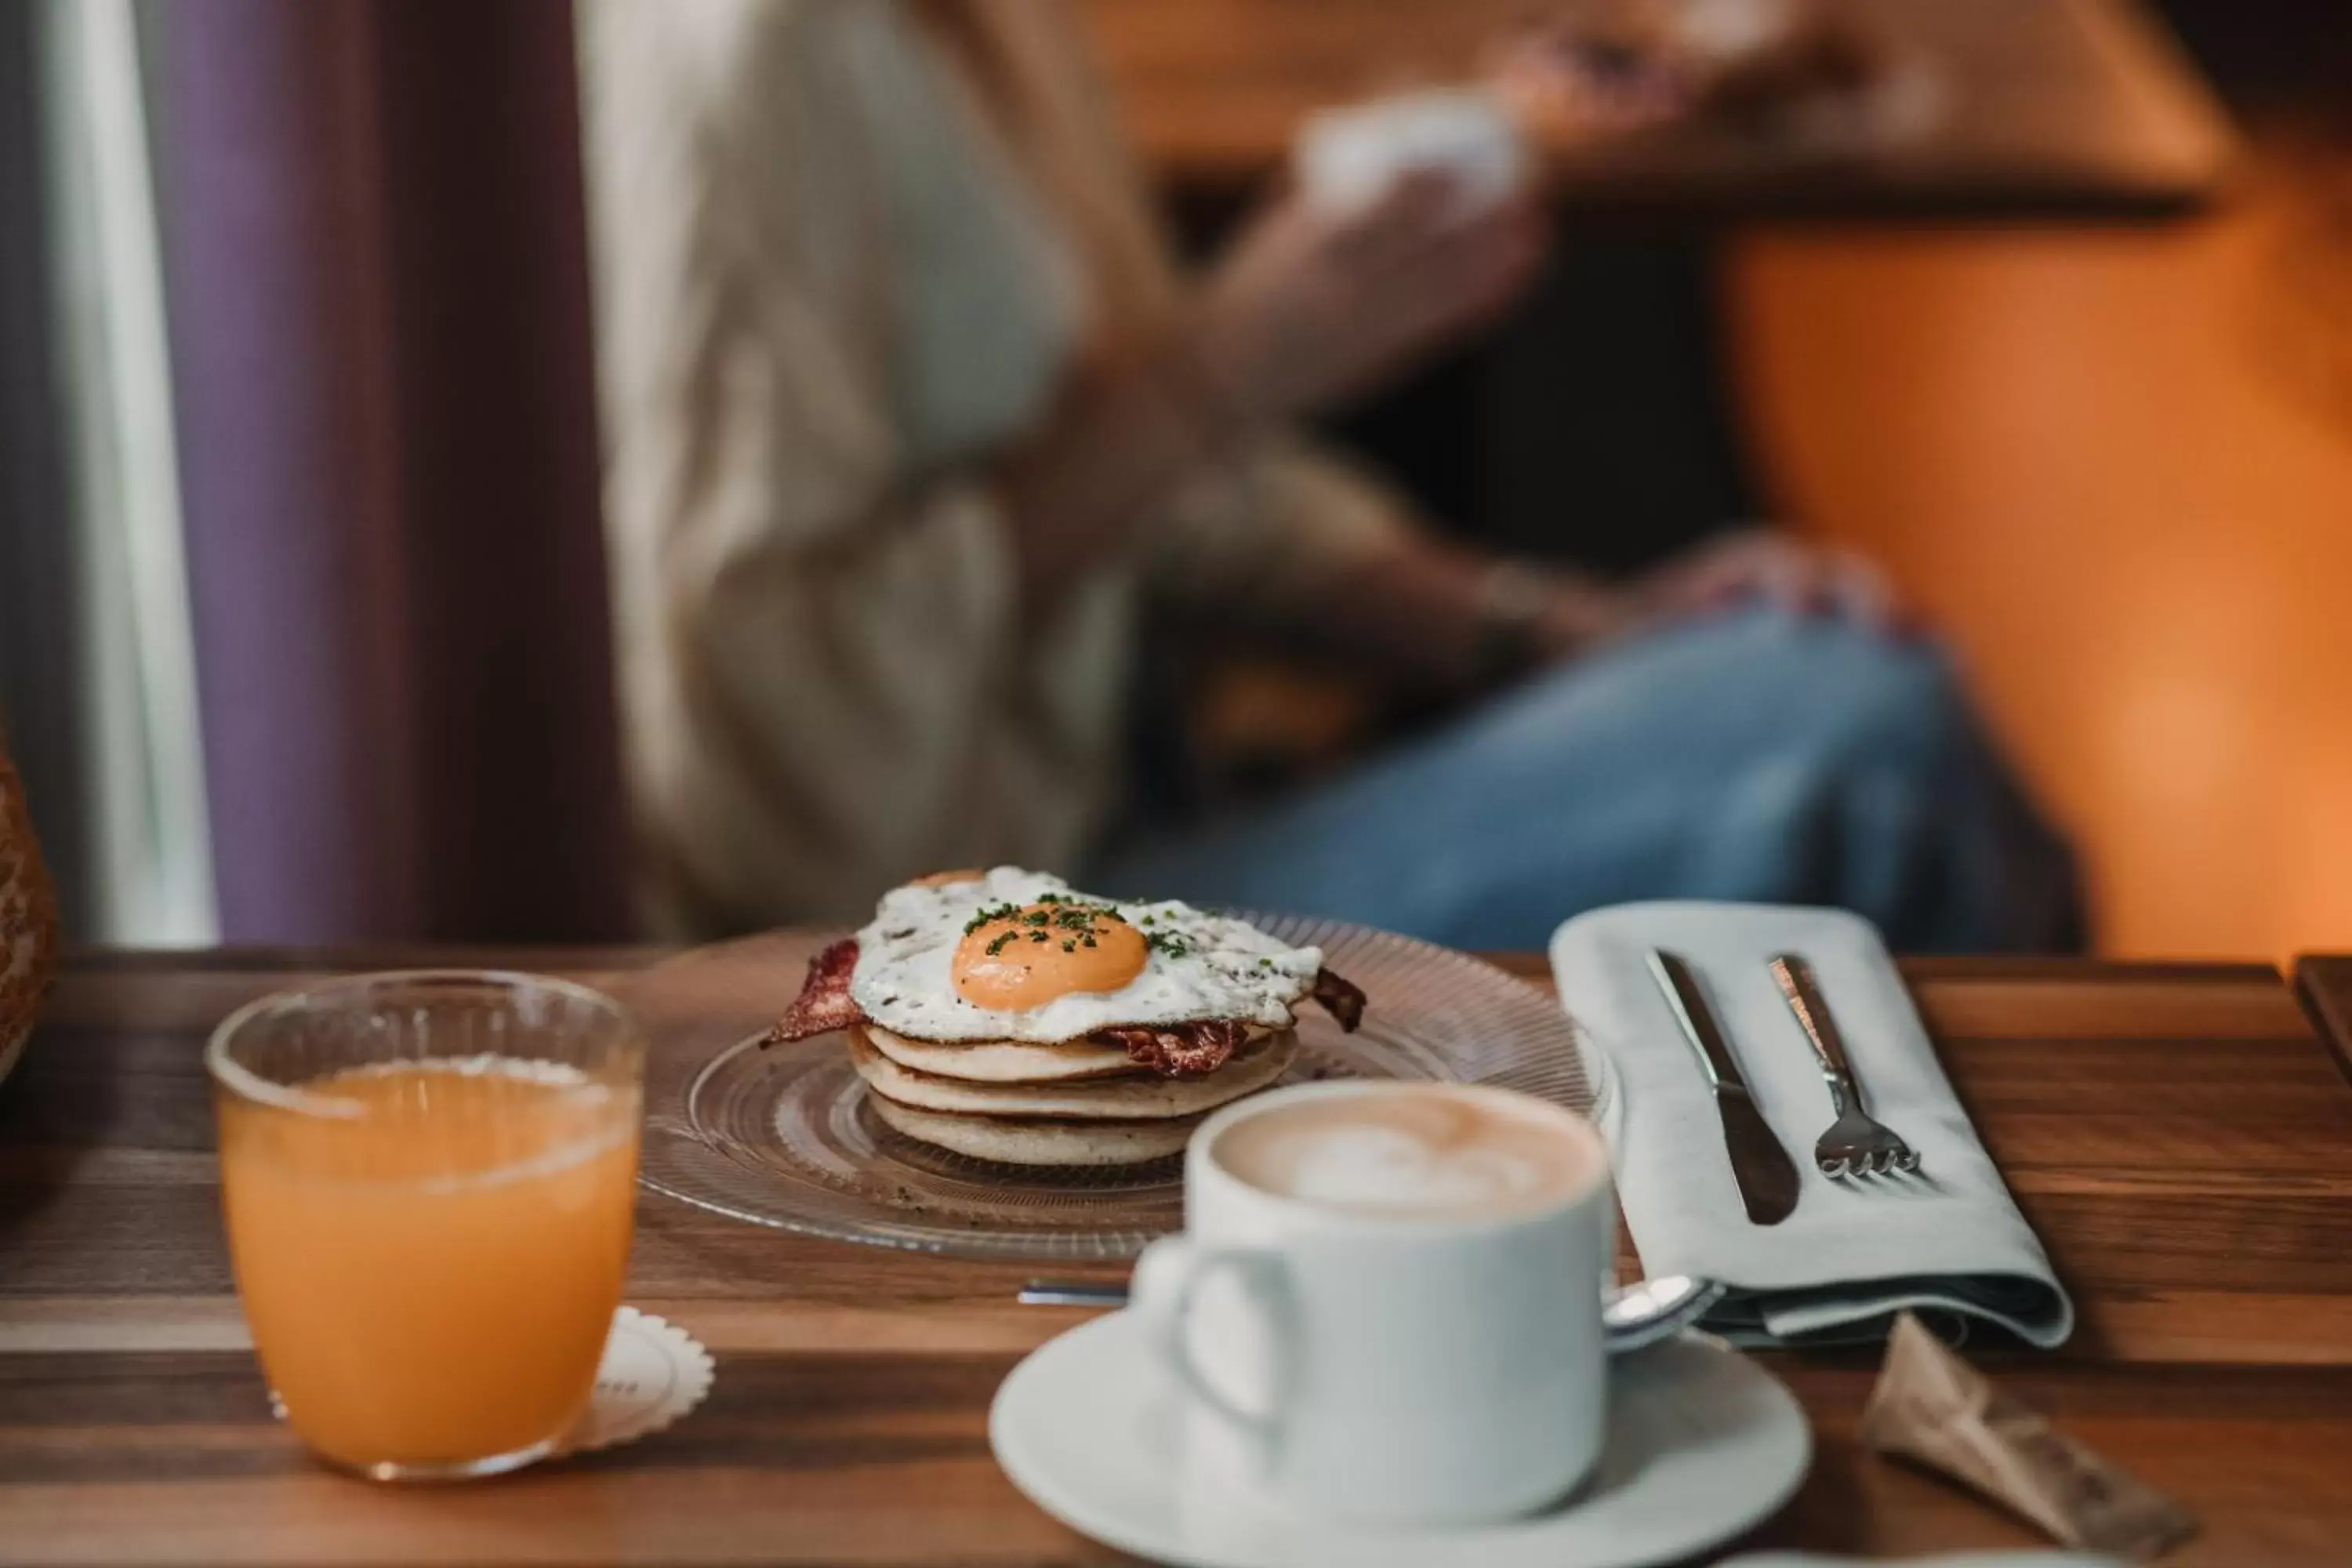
x: 784, y: 1137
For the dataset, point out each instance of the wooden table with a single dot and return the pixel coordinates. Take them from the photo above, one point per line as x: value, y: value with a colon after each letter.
x: 2177, y: 1135
x: 2324, y: 983
x: 2073, y: 107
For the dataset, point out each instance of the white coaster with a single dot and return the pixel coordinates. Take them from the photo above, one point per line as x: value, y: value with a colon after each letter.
x: 653, y: 1373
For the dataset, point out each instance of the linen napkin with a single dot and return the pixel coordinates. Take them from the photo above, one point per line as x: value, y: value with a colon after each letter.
x: 1948, y: 1243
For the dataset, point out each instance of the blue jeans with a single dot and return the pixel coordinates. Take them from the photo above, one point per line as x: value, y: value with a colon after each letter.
x: 1752, y: 757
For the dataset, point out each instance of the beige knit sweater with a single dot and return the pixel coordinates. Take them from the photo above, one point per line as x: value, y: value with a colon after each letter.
x: 844, y: 252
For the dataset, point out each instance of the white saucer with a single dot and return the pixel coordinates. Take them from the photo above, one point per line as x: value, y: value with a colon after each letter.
x: 1702, y: 1444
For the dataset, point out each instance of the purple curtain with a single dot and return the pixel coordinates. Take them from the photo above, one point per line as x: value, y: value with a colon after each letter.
x: 375, y: 258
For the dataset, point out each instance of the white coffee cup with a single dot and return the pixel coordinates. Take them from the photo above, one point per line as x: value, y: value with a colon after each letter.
x: 1355, y: 1351
x: 1348, y: 158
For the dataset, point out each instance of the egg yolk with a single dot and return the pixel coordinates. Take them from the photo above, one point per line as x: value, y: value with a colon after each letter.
x: 1030, y: 956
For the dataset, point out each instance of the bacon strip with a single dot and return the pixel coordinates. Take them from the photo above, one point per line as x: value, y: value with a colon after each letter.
x: 825, y: 1003
x: 1339, y: 998
x: 1180, y: 1051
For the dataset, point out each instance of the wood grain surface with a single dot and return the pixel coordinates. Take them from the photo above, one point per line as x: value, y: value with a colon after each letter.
x: 2177, y: 1135
x: 2324, y: 982
x: 2072, y: 106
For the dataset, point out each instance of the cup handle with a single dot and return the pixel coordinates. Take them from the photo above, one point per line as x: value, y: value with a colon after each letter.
x: 1168, y: 1276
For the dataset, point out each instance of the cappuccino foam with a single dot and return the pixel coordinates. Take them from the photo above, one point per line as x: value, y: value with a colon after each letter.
x: 1410, y: 1151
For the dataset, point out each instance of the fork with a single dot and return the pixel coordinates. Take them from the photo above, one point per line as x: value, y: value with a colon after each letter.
x: 1857, y: 1145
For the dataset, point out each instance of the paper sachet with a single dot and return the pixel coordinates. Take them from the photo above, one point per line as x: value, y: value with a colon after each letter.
x: 1932, y: 1407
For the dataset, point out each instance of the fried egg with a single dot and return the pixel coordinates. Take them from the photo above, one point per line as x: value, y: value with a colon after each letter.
x: 1019, y: 956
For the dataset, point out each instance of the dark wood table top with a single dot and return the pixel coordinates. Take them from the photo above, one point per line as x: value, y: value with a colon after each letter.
x: 2324, y: 982
x: 2062, y: 106
x: 2178, y: 1135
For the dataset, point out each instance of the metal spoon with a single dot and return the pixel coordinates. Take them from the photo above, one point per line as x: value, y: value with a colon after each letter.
x: 1649, y: 1311
x: 1640, y: 1315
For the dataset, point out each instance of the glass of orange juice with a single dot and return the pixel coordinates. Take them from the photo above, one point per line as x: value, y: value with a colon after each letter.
x: 428, y: 1181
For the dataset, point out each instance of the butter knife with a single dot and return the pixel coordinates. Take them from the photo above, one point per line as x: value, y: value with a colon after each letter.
x: 1766, y: 1176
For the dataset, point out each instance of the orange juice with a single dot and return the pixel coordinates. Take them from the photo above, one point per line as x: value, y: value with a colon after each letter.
x: 430, y: 1252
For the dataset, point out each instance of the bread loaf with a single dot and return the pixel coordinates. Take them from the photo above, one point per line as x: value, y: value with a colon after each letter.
x: 28, y: 920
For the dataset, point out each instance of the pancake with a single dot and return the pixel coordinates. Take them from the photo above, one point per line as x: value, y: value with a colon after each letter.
x: 1010, y: 1061
x: 998, y: 1061
x: 1017, y: 1140
x: 1132, y: 1097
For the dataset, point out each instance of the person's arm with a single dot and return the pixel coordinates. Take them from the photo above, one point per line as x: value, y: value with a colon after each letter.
x: 1306, y: 309
x: 1443, y: 615
x: 1437, y: 612
x: 1301, y: 540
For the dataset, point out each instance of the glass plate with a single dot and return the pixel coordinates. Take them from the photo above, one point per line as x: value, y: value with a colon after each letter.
x: 784, y: 1137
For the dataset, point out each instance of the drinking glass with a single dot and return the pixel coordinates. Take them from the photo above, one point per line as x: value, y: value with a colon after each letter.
x: 428, y: 1182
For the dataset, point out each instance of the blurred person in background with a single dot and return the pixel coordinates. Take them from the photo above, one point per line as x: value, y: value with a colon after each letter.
x: 907, y: 407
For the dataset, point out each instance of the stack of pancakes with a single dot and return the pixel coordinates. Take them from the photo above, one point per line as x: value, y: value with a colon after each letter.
x: 1078, y: 1104
x: 1004, y: 1016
